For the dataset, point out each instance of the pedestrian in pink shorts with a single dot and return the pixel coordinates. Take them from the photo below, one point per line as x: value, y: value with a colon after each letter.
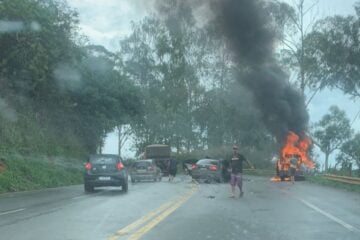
x: 236, y: 165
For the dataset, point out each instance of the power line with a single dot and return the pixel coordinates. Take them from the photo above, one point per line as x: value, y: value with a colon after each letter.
x: 356, y: 116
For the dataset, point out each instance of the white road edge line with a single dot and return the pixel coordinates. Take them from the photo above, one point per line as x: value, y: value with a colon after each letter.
x: 330, y: 216
x: 12, y: 211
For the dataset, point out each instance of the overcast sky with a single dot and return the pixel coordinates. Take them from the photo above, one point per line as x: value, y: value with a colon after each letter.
x: 107, y: 21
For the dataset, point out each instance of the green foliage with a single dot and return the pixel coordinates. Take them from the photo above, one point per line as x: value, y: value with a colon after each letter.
x: 28, y: 136
x: 331, y: 131
x: 172, y: 81
x: 284, y: 17
x: 187, y: 80
x: 30, y: 53
x: 292, y: 30
x: 332, y: 53
x: 57, y: 95
x: 350, y: 152
x: 331, y: 183
x: 156, y: 59
x: 25, y: 173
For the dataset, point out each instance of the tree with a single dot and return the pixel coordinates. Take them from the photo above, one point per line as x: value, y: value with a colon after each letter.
x: 331, y: 132
x: 31, y: 52
x: 124, y: 132
x: 105, y: 100
x: 67, y: 96
x: 333, y: 53
x: 188, y: 81
x: 39, y: 36
x: 350, y: 152
x: 294, y: 23
x: 165, y: 70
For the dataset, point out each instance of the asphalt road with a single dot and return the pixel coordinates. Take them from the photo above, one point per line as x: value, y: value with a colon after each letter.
x: 183, y: 210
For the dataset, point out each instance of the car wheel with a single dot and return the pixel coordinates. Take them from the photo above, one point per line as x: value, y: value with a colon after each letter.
x: 125, y: 187
x: 88, y: 188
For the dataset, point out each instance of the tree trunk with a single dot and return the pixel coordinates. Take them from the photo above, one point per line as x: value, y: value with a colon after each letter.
x: 188, y: 146
x: 302, y: 72
x: 326, y: 162
x: 100, y: 149
x: 177, y: 146
x: 119, y: 140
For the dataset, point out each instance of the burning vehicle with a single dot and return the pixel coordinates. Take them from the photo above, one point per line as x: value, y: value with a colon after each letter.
x: 294, y: 148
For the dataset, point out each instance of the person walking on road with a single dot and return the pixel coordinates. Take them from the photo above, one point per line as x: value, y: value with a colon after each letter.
x: 172, y: 169
x: 236, y: 166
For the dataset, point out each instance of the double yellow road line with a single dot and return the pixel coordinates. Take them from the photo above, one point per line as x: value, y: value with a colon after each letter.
x: 137, y: 229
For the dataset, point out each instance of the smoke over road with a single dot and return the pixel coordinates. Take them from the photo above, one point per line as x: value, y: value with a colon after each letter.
x: 247, y: 27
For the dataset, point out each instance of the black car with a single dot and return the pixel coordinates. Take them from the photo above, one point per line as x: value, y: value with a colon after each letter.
x: 105, y: 170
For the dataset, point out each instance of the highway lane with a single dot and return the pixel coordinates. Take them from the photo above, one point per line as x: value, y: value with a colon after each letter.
x: 269, y: 210
x: 183, y: 210
x: 69, y: 213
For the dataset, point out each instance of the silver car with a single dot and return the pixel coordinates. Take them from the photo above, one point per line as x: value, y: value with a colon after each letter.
x: 145, y: 170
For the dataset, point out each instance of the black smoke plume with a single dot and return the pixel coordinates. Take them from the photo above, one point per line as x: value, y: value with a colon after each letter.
x: 248, y: 29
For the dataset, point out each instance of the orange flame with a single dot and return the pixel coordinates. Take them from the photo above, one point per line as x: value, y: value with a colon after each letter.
x: 293, y: 147
x: 278, y: 179
x: 304, y: 146
x: 296, y: 146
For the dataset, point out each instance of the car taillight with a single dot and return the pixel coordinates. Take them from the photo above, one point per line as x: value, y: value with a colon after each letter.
x: 194, y: 166
x: 212, y: 168
x: 119, y: 166
x: 88, y: 166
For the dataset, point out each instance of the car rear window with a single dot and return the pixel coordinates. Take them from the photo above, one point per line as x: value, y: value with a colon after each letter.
x: 208, y: 161
x: 142, y: 164
x: 103, y: 159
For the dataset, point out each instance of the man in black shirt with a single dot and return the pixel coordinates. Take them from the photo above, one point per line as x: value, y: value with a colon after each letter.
x: 236, y: 165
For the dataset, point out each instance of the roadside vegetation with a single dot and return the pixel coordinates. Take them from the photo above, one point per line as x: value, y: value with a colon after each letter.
x: 59, y: 95
x: 171, y: 81
x: 332, y: 183
x: 19, y: 173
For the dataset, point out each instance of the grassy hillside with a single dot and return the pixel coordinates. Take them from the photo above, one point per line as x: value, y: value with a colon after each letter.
x: 19, y: 173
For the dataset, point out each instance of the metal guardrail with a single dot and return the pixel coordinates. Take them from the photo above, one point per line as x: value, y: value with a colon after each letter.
x: 344, y: 179
x: 338, y: 178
